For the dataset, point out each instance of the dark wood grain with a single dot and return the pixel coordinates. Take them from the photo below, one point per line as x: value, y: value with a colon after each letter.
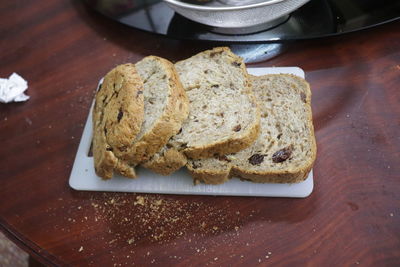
x: 352, y: 217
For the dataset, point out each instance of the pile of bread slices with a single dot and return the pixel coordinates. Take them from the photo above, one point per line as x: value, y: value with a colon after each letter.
x: 205, y: 113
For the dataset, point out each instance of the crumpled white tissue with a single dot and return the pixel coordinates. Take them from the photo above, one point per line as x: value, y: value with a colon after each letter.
x: 13, y: 88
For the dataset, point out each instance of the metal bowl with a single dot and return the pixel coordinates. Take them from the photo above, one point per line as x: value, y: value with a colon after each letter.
x: 224, y: 15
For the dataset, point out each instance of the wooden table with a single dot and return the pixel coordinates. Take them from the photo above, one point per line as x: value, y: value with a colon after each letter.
x: 352, y: 217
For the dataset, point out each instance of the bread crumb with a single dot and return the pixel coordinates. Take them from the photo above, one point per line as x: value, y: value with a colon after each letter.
x: 139, y: 201
x: 161, y: 219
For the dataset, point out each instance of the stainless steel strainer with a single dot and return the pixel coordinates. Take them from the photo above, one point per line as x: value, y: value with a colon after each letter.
x: 234, y: 13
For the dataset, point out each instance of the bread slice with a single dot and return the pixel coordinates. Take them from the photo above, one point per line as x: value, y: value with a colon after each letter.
x: 117, y: 117
x: 285, y: 149
x: 166, y: 106
x: 224, y: 116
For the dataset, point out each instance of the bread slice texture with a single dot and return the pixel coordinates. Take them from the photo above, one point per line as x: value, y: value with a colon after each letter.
x: 285, y: 149
x: 166, y: 106
x: 117, y: 117
x: 224, y: 116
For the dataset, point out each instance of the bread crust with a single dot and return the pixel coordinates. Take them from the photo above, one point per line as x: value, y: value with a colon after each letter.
x: 169, y: 123
x: 168, y: 162
x: 295, y: 175
x: 209, y: 176
x: 117, y: 118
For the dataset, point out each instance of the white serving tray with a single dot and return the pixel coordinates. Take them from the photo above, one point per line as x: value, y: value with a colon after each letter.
x: 83, y: 176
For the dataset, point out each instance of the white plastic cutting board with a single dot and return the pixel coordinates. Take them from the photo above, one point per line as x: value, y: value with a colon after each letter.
x: 83, y: 176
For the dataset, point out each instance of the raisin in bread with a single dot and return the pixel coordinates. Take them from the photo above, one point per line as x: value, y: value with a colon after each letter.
x: 117, y: 117
x: 224, y: 115
x: 285, y: 149
x: 166, y: 106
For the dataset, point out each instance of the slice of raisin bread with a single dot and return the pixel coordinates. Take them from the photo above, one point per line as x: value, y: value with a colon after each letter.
x: 285, y: 149
x: 117, y: 117
x: 224, y: 116
x: 166, y: 106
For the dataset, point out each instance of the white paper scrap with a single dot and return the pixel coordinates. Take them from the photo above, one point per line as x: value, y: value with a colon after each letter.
x: 13, y: 88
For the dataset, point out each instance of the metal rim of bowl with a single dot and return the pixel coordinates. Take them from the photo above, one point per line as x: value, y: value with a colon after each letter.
x: 228, y: 8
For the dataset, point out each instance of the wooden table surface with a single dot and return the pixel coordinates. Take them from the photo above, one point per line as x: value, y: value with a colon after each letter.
x: 352, y: 217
